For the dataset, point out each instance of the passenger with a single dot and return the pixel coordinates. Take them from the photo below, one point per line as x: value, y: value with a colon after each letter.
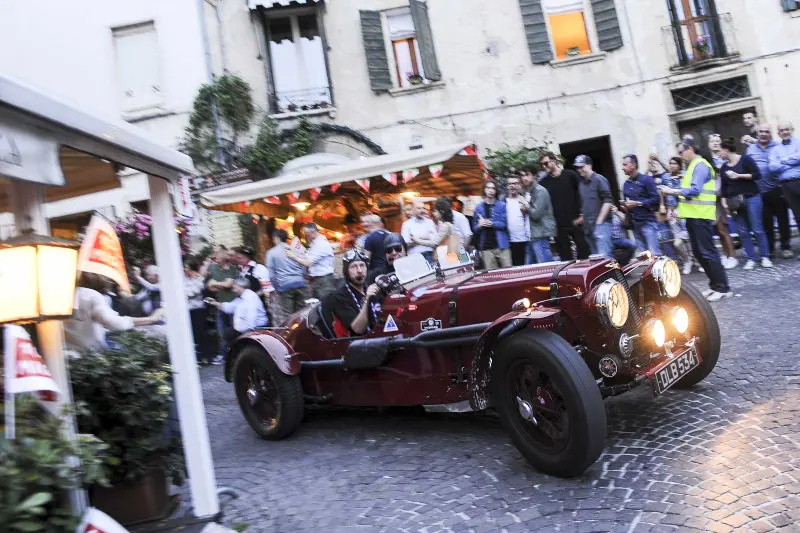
x: 355, y: 310
x: 247, y: 309
x: 394, y: 247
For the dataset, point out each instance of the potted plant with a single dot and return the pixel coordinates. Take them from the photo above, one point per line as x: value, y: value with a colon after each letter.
x: 291, y: 108
x: 573, y: 51
x: 37, y: 471
x: 125, y: 395
x: 414, y: 79
x: 703, y: 46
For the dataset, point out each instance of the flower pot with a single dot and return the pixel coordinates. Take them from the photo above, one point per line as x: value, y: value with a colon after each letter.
x: 143, y: 499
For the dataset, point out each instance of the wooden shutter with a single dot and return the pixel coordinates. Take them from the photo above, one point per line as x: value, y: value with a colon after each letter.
x: 536, y: 31
x: 380, y: 78
x: 609, y: 36
x: 422, y: 25
x: 789, y: 5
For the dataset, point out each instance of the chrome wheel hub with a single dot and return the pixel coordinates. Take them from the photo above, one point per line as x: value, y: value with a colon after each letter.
x: 526, y: 411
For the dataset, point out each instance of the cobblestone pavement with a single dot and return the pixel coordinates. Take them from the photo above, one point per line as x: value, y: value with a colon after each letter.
x: 722, y: 457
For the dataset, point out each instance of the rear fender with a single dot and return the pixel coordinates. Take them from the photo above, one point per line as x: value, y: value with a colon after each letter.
x: 278, y: 349
x: 541, y: 317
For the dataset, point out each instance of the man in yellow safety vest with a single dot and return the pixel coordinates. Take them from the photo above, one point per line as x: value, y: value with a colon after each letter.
x: 697, y: 204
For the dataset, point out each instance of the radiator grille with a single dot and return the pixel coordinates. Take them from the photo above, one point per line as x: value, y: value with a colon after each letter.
x: 634, y: 323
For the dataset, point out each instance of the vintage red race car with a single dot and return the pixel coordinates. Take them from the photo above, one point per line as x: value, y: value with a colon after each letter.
x: 542, y: 345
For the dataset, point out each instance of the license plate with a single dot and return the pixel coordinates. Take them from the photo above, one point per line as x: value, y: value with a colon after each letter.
x: 673, y: 370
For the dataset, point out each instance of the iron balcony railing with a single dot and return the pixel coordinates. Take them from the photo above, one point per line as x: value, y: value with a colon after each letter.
x: 301, y: 100
x: 704, y: 40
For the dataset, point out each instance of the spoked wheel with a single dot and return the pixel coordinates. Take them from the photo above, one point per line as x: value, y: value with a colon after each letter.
x: 703, y: 324
x: 548, y: 402
x: 271, y: 401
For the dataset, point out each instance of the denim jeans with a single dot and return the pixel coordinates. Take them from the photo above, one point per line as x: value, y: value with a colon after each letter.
x: 701, y: 235
x: 223, y: 346
x: 750, y: 220
x: 600, y: 240
x: 541, y: 250
x: 646, y: 234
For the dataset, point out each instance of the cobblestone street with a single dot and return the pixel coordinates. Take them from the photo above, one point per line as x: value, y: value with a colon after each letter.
x: 724, y: 456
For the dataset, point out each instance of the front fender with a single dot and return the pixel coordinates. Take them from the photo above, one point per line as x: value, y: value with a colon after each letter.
x: 540, y: 317
x: 278, y: 349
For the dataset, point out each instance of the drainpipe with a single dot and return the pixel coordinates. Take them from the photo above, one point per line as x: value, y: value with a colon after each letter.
x: 210, y: 74
x: 223, y: 55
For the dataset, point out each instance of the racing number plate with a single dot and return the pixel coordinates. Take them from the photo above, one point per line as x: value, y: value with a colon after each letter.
x: 673, y: 370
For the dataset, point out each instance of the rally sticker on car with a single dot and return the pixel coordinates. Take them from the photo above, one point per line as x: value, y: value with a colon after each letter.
x: 430, y: 324
x: 391, y: 325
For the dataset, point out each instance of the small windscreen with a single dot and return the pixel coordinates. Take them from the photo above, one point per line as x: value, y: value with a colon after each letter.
x: 412, y: 268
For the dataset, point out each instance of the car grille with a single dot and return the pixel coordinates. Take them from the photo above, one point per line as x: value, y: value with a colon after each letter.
x: 634, y: 323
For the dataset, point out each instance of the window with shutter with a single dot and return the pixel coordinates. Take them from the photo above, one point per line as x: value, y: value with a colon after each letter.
x: 380, y: 77
x: 137, y: 66
x: 790, y: 5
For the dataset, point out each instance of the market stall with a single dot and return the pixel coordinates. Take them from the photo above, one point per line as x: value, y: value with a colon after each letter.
x: 335, y: 195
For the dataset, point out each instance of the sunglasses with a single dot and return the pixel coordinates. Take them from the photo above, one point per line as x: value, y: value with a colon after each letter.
x: 398, y: 249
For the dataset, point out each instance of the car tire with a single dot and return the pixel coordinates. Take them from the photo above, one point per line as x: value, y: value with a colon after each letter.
x: 257, y: 378
x: 709, y: 340
x: 565, y: 385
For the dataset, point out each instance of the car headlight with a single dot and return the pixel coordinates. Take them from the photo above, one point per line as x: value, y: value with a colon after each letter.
x: 680, y: 319
x: 611, y: 300
x: 656, y: 332
x: 668, y: 276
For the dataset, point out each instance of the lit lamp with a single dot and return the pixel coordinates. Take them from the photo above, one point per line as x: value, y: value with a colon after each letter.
x: 37, y: 278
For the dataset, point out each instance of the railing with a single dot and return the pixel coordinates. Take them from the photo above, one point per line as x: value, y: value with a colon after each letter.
x: 301, y: 100
x: 701, y: 41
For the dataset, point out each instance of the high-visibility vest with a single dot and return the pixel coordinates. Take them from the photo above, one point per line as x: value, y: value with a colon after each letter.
x: 704, y: 205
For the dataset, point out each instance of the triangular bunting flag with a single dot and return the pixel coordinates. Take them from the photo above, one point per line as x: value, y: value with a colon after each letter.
x: 469, y: 150
x: 273, y: 200
x: 410, y: 174
x: 293, y: 196
x: 391, y: 177
x: 436, y: 170
x: 364, y: 184
x: 314, y: 192
x: 335, y: 187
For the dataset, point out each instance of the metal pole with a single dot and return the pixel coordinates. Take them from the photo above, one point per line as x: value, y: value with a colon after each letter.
x: 188, y: 394
x: 27, y: 200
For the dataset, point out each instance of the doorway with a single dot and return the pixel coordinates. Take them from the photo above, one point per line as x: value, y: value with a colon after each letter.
x: 599, y: 149
x: 726, y: 124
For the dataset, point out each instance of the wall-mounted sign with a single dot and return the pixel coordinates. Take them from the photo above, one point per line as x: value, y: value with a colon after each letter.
x: 28, y: 154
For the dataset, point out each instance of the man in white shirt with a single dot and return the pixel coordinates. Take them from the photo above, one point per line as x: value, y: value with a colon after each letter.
x: 247, y: 309
x: 462, y: 228
x: 318, y: 259
x: 519, y: 233
x: 420, y: 227
x: 256, y: 273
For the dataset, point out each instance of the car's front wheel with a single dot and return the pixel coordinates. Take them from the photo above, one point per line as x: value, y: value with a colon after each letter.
x: 271, y: 401
x: 548, y: 402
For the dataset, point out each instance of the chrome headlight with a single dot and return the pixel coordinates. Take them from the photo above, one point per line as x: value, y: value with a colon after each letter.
x: 611, y: 300
x: 668, y: 276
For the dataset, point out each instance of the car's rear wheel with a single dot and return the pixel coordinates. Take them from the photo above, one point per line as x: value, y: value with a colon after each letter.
x: 548, y: 402
x: 271, y: 401
x: 703, y: 324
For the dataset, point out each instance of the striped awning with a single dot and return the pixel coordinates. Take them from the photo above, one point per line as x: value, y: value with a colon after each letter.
x: 267, y: 4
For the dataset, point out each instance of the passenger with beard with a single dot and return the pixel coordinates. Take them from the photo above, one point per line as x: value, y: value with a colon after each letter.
x: 354, y: 306
x: 394, y: 247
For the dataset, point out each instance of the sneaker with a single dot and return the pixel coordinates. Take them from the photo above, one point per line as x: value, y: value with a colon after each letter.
x: 730, y: 262
x: 717, y: 296
x: 707, y: 293
x: 218, y: 360
x: 750, y: 265
x: 687, y: 269
x: 766, y: 263
x: 787, y: 254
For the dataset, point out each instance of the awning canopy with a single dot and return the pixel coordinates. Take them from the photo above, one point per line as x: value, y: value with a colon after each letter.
x: 44, y: 140
x: 267, y: 4
x: 461, y: 174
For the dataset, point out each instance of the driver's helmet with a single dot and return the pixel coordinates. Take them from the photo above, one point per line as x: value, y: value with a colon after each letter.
x: 395, y: 239
x: 352, y: 256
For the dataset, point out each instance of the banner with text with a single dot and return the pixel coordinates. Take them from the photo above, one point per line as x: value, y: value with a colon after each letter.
x: 101, y: 253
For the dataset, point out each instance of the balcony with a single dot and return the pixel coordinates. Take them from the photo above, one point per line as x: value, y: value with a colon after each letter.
x: 301, y: 101
x: 701, y: 42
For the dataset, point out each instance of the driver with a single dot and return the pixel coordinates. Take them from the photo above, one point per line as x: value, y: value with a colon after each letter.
x: 394, y: 246
x: 355, y: 310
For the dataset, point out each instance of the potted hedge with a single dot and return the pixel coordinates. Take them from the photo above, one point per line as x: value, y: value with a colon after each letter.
x: 125, y: 395
x: 37, y: 470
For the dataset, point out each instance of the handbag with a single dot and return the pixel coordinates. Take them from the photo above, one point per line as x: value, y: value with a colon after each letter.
x: 735, y: 203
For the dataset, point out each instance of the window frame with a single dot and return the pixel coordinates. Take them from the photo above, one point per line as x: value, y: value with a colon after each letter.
x: 293, y: 14
x: 710, y: 18
x: 157, y: 102
x: 591, y: 33
x: 411, y: 42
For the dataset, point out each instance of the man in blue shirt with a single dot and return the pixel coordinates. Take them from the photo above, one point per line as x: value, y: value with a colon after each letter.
x: 641, y: 201
x: 784, y: 161
x: 771, y: 193
x: 288, y: 278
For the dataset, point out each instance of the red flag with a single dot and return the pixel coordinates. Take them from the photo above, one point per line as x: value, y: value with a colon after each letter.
x: 101, y: 253
x: 391, y: 177
x: 314, y: 193
x: 410, y: 174
x: 364, y: 184
x: 293, y: 197
x: 436, y: 170
x: 469, y: 150
x: 273, y: 200
x: 335, y: 187
x: 25, y: 368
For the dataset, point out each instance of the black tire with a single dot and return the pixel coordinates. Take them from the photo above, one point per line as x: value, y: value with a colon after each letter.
x: 566, y: 386
x: 702, y: 323
x: 271, y: 402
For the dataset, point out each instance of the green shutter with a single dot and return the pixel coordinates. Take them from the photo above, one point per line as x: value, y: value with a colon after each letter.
x: 536, y: 31
x: 609, y: 35
x: 380, y: 77
x: 422, y: 25
x: 789, y: 5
